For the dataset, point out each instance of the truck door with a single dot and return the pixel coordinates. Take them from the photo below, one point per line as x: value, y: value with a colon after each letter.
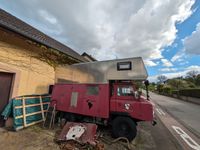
x: 91, y: 100
x: 125, y: 97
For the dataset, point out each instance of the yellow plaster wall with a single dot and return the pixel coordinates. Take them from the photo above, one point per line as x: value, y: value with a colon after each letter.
x: 68, y: 73
x: 33, y: 75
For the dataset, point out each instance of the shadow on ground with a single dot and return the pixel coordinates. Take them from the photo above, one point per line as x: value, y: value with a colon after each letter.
x: 37, y: 138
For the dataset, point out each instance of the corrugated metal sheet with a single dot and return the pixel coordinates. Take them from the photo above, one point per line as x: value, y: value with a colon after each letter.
x: 103, y: 71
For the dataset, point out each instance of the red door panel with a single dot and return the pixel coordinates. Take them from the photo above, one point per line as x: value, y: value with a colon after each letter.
x: 61, y: 96
x: 91, y: 100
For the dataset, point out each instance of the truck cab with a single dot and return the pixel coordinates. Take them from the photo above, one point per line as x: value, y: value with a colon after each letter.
x: 127, y: 107
x: 128, y: 100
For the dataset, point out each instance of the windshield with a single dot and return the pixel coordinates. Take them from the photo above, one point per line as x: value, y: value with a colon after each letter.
x: 125, y: 91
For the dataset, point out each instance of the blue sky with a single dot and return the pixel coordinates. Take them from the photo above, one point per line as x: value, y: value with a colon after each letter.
x: 164, y: 33
x: 184, y: 29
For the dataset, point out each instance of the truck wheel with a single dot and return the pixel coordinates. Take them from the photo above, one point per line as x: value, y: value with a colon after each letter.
x: 124, y: 127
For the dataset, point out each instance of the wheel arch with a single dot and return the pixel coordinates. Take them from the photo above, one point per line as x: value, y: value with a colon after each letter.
x: 113, y: 115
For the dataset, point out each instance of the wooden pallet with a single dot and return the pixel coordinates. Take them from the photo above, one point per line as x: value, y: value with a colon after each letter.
x: 25, y: 114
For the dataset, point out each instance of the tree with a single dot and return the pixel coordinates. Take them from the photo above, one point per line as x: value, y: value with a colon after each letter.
x: 197, y: 80
x: 179, y: 83
x: 160, y: 88
x: 161, y: 78
x: 192, y: 76
x: 176, y: 83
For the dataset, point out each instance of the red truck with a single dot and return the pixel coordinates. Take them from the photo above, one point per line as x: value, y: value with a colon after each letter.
x: 109, y: 96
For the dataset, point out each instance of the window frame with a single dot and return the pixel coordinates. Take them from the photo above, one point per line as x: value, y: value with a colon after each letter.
x: 89, y: 91
x: 124, y: 63
x: 124, y: 94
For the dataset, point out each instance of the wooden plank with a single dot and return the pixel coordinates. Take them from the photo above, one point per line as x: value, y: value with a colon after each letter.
x: 30, y: 114
x: 21, y: 127
x: 31, y: 105
x: 34, y: 122
x: 20, y: 98
x: 38, y: 112
x: 24, y: 111
x: 42, y: 109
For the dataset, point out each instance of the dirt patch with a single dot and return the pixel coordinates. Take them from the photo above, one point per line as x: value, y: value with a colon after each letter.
x: 37, y: 138
x: 32, y: 138
x: 143, y: 140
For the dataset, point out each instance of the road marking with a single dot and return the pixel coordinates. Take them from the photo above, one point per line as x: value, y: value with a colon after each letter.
x: 190, y: 142
x: 160, y: 111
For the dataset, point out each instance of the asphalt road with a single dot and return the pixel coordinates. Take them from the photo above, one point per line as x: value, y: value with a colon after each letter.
x: 186, y: 113
x: 159, y: 137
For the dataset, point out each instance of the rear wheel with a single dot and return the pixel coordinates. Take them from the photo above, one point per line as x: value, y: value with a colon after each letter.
x: 124, y: 127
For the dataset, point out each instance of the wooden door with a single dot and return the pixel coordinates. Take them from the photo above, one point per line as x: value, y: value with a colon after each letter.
x: 5, y: 88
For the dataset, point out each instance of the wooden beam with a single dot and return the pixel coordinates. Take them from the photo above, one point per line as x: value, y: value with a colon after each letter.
x: 24, y: 111
x: 31, y: 105
x: 42, y: 109
x: 20, y: 98
x: 30, y: 114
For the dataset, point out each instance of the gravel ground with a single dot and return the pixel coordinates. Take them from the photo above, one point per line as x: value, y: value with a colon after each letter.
x: 37, y: 138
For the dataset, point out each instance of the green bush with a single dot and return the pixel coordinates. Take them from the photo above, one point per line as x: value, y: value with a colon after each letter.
x: 160, y: 88
x: 190, y: 92
x: 175, y: 92
x: 167, y: 90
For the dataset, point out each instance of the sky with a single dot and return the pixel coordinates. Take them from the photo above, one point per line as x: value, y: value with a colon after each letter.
x: 166, y: 34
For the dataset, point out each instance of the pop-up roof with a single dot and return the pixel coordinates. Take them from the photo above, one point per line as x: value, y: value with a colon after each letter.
x: 119, y: 69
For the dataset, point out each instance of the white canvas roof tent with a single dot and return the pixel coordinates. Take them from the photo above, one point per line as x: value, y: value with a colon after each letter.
x: 119, y: 69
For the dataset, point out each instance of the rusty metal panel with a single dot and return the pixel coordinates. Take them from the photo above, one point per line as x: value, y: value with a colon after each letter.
x: 81, y: 132
x: 103, y: 71
x: 95, y: 103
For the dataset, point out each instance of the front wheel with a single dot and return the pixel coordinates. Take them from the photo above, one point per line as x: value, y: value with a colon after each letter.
x: 124, y: 127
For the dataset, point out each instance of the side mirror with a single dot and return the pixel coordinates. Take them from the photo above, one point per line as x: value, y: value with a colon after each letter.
x: 146, y: 82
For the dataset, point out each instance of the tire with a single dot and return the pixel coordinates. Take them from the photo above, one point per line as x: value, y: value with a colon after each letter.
x: 124, y: 127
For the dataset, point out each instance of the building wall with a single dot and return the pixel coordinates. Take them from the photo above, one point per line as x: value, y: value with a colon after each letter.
x: 67, y: 74
x: 32, y: 76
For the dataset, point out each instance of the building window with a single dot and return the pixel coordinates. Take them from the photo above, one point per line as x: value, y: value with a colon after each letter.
x: 124, y: 66
x: 125, y: 91
x: 92, y: 90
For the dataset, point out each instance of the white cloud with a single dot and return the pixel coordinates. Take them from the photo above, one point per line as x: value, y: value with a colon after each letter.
x: 178, y: 56
x: 168, y: 69
x: 166, y: 63
x: 191, y: 43
x: 150, y: 63
x: 184, y: 63
x: 177, y: 73
x: 168, y: 75
x: 193, y: 67
x: 107, y: 29
x: 47, y: 16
